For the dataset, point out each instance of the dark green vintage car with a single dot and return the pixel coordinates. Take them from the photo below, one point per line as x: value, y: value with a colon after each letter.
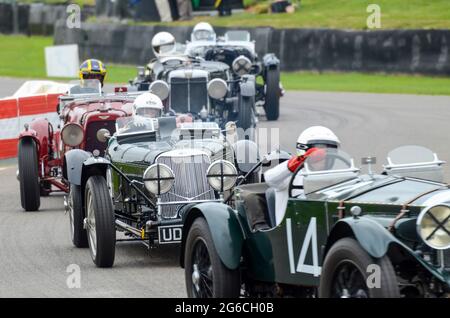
x: 152, y: 170
x: 343, y: 234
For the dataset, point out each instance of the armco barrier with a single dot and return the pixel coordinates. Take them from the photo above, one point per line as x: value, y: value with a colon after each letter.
x: 398, y: 51
x: 16, y: 112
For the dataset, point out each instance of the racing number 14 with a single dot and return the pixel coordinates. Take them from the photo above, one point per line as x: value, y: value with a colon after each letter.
x: 309, y: 239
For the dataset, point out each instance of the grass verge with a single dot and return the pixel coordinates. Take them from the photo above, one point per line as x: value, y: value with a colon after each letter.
x: 22, y: 56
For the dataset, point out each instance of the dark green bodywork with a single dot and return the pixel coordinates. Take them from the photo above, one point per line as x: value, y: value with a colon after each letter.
x: 267, y: 255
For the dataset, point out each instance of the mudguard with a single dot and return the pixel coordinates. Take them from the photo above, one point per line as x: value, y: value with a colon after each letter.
x: 248, y: 86
x: 376, y: 241
x: 225, y: 228
x: 270, y: 60
x: 38, y: 130
x: 73, y: 165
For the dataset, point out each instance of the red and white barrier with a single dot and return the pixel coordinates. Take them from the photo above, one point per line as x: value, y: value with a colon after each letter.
x: 18, y: 110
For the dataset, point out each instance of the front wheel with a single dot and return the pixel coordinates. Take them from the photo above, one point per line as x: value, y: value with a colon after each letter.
x: 206, y: 275
x: 350, y: 272
x: 273, y: 93
x: 246, y: 116
x: 76, y: 216
x: 29, y: 175
x: 99, y: 222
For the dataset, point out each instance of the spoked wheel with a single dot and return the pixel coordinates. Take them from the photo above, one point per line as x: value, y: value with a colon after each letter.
x: 202, y: 279
x: 29, y: 175
x: 206, y: 276
x: 350, y: 272
x: 76, y: 216
x: 100, y: 225
x: 348, y: 282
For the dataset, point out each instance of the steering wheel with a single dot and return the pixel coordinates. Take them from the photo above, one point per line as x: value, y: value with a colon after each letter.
x: 333, y: 156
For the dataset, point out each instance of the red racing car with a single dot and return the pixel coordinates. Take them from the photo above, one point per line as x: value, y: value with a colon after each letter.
x: 86, y: 114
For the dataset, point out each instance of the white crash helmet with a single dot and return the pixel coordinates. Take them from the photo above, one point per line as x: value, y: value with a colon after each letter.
x: 163, y: 43
x: 148, y: 105
x: 203, y: 31
x: 316, y: 135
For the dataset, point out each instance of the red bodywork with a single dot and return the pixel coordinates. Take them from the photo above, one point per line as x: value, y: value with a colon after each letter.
x: 91, y: 115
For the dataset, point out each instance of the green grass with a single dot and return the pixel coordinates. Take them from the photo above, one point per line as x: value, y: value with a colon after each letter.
x: 371, y: 83
x: 346, y: 14
x: 22, y: 56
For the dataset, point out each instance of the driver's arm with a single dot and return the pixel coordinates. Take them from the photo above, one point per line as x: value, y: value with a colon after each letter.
x: 279, y: 176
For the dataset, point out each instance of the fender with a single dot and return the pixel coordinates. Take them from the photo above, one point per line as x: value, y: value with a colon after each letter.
x: 30, y: 135
x: 38, y: 130
x: 248, y: 86
x: 226, y: 231
x: 372, y: 236
x: 271, y: 61
x: 73, y: 165
x: 93, y: 166
x: 376, y: 241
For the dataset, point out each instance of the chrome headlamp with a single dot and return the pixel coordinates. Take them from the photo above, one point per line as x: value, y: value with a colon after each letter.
x: 433, y: 226
x: 217, y: 88
x: 160, y: 89
x: 72, y: 134
x: 222, y: 175
x: 242, y: 65
x: 158, y: 179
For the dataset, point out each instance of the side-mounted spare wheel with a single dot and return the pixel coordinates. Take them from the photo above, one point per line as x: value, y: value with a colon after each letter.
x: 99, y: 222
x: 273, y: 93
x: 29, y: 175
x: 350, y: 272
x: 206, y: 275
x: 76, y: 216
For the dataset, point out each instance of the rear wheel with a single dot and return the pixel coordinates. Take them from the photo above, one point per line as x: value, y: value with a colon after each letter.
x: 76, y: 216
x: 29, y: 175
x: 206, y: 275
x: 272, y: 97
x: 349, y: 272
x: 100, y: 223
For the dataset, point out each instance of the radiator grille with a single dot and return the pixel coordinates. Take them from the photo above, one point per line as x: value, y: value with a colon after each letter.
x: 447, y: 259
x: 190, y: 181
x: 92, y: 143
x: 188, y: 95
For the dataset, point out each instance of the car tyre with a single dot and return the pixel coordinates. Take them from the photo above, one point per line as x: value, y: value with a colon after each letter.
x: 206, y: 275
x: 246, y: 114
x: 29, y: 175
x: 101, y: 230
x: 272, y: 97
x: 345, y: 273
x: 76, y: 217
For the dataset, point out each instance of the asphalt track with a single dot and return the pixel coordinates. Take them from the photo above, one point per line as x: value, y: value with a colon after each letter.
x: 35, y: 248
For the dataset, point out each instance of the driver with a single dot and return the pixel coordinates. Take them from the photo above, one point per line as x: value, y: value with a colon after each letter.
x: 93, y: 69
x: 311, y: 144
x: 145, y: 106
x: 163, y: 44
x: 203, y: 31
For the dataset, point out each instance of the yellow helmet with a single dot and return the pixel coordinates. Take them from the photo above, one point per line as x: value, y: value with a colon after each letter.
x: 93, y: 69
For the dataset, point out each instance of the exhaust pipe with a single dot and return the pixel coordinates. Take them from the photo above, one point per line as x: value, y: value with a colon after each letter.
x: 17, y: 175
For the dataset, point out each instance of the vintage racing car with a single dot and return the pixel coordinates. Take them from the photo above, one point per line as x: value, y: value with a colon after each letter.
x: 85, y: 112
x: 237, y: 50
x: 344, y: 234
x: 152, y: 171
x: 205, y: 89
